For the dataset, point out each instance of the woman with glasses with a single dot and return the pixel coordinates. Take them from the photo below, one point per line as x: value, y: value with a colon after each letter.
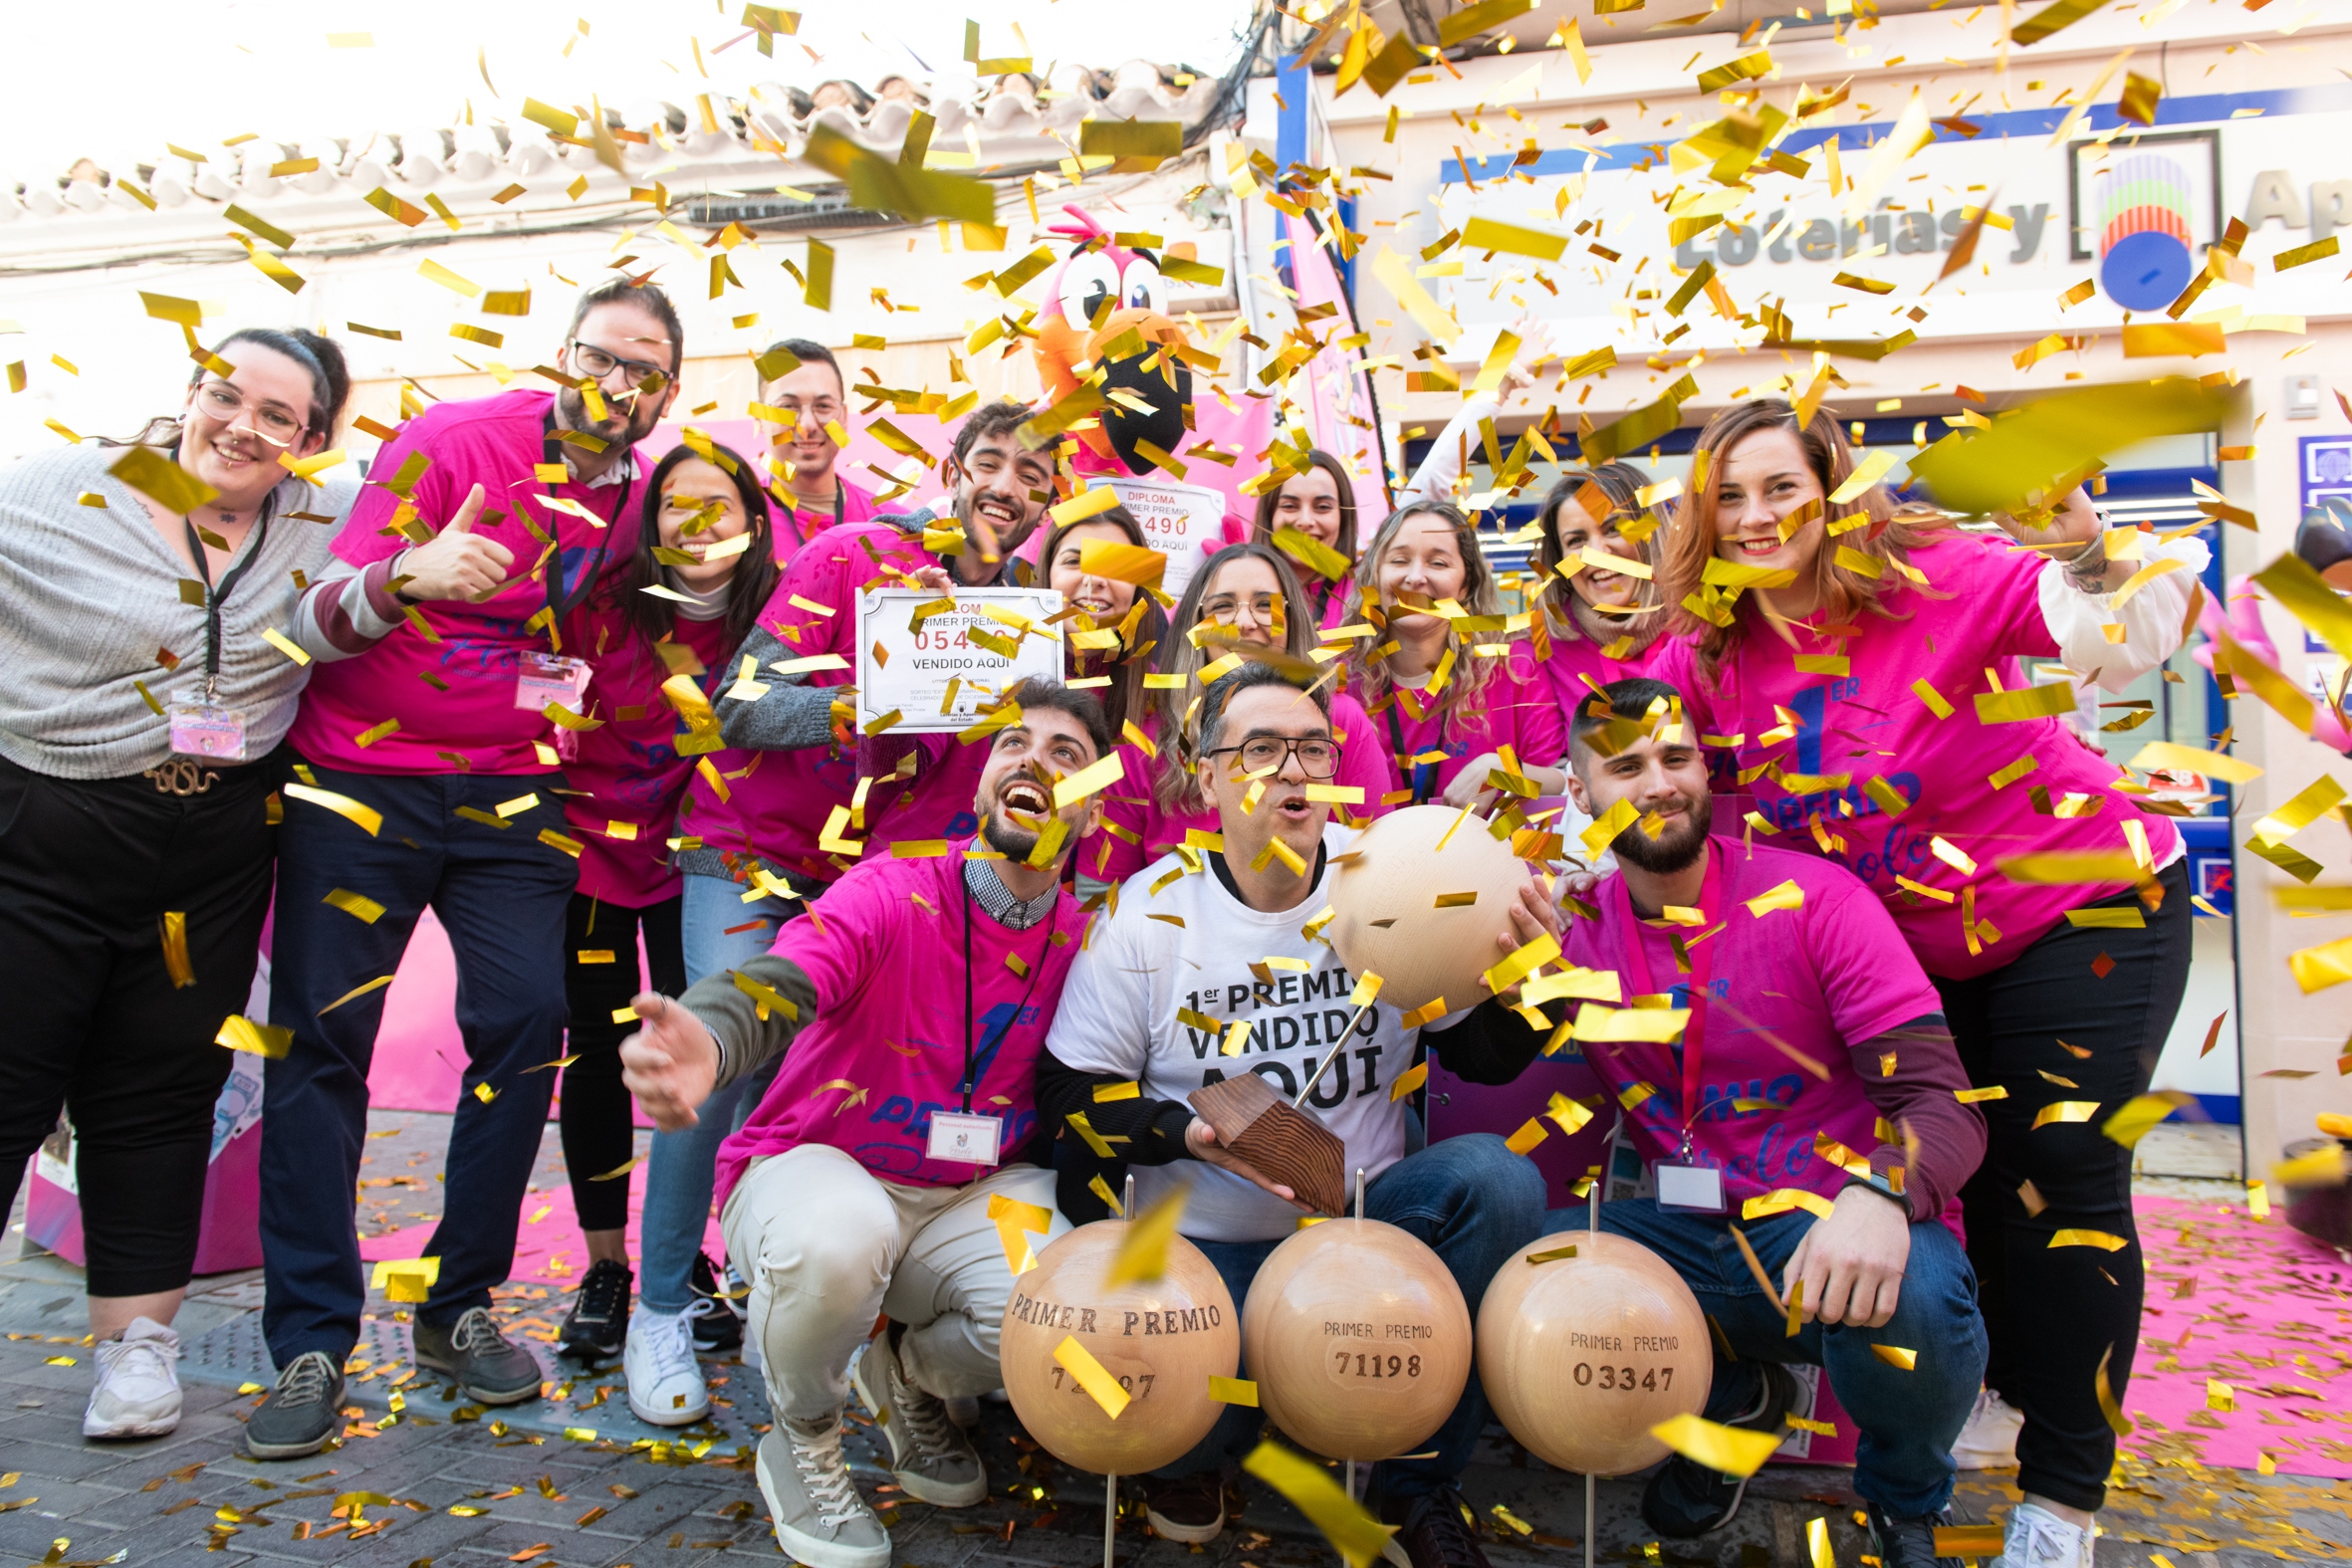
x: 141, y: 728
x: 805, y: 413
x: 1444, y: 672
x: 663, y: 637
x: 1244, y: 603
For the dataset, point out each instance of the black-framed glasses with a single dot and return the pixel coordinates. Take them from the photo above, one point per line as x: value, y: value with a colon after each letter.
x: 595, y: 364
x: 273, y: 422
x: 1319, y: 755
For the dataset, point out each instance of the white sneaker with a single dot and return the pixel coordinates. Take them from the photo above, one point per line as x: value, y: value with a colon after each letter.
x: 1990, y: 1440
x: 137, y: 1391
x: 2038, y: 1538
x: 665, y: 1381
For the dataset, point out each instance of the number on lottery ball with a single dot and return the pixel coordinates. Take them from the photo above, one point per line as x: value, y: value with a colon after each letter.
x: 1160, y: 1341
x: 1359, y: 1339
x: 1582, y: 1356
x: 1386, y: 914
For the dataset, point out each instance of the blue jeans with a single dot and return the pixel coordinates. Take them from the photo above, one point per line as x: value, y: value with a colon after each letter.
x: 678, y: 1171
x: 1906, y: 1421
x: 1471, y: 1201
x: 503, y: 896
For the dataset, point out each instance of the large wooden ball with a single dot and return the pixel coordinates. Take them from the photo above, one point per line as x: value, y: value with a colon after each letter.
x: 1162, y: 1340
x: 1386, y: 914
x: 1582, y: 1356
x: 1357, y: 1338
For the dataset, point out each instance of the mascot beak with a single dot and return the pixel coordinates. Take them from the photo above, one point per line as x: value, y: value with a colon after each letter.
x: 1149, y: 389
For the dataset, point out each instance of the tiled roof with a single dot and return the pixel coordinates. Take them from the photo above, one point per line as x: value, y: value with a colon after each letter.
x: 1014, y: 118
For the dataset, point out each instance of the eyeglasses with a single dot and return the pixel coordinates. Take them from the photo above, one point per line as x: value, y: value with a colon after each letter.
x: 596, y: 364
x: 822, y: 411
x: 1223, y: 606
x: 1318, y: 757
x: 271, y: 421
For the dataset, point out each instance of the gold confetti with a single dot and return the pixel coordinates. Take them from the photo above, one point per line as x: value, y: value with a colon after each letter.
x: 1730, y: 1450
x: 2065, y: 1111
x: 176, y: 948
x: 1143, y: 1254
x: 358, y: 905
x: 1090, y: 1376
x: 1360, y: 1538
x: 239, y: 1032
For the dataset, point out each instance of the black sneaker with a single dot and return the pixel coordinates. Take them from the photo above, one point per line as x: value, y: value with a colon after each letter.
x: 485, y: 1362
x: 1686, y: 1498
x: 300, y: 1412
x: 598, y: 1326
x: 1434, y: 1531
x: 716, y: 1314
x: 1185, y: 1508
x: 1908, y: 1543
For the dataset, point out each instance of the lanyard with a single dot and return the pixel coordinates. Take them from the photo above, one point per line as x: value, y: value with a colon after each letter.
x: 216, y: 598
x: 1694, y: 1036
x: 559, y: 603
x: 971, y: 1054
x: 1424, y: 775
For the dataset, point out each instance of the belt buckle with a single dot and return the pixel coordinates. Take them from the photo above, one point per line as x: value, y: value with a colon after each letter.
x: 181, y: 777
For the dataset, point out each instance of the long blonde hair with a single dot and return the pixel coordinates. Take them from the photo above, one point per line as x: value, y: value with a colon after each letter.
x: 1367, y: 668
x: 1844, y: 592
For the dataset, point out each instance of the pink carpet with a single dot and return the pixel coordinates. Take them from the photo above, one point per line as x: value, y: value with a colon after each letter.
x: 548, y: 1246
x: 2255, y: 1305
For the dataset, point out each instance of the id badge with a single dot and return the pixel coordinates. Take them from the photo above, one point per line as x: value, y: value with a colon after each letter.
x: 542, y: 678
x: 964, y: 1139
x: 206, y: 730
x: 1691, y: 1189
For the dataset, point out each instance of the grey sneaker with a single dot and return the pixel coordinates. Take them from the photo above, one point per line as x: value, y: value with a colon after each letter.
x: 929, y: 1454
x: 300, y: 1415
x: 485, y: 1362
x: 820, y: 1519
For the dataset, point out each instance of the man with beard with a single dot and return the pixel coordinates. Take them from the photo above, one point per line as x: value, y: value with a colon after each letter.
x: 915, y: 1000
x: 767, y: 824
x: 1231, y: 937
x: 432, y: 752
x: 1809, y: 1098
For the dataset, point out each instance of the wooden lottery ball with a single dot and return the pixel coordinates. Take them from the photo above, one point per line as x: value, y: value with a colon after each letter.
x: 1582, y: 1356
x: 1162, y: 1340
x: 1359, y: 1339
x: 1424, y: 919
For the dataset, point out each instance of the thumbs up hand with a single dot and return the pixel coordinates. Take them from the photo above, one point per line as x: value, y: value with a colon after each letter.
x: 456, y: 565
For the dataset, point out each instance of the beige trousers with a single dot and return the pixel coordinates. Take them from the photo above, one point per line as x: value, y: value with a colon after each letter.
x: 829, y: 1245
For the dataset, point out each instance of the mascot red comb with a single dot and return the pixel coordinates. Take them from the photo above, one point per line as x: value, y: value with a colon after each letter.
x: 1107, y: 308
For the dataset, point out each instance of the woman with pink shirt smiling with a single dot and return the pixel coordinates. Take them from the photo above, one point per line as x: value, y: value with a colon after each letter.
x: 1870, y: 698
x: 1318, y: 502
x: 1447, y: 701
x: 1601, y: 623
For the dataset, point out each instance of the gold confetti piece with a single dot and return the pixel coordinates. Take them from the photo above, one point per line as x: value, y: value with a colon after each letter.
x: 2026, y: 702
x: 2098, y: 1238
x: 1783, y: 1198
x: 2258, y: 1199
x: 1794, y: 1323
x: 2323, y: 1167
x: 1569, y: 1115
x: 1086, y: 504
x: 2065, y: 1111
x: 1530, y: 1133
x: 1360, y: 1538
x: 375, y: 732
x: 2127, y: 918
x: 2031, y: 448
x: 1116, y: 558
x: 1654, y: 1026
x: 376, y: 984
x: 622, y: 1170
x: 2317, y: 250
x: 1101, y: 1189
x: 485, y: 1093
x: 434, y: 271
x: 2219, y: 1396
x: 2134, y: 1119
x: 239, y: 1032
x: 1144, y: 1254
x: 1397, y: 277
x: 174, y: 929
x: 1094, y: 1139
x: 2106, y: 1392
x: 1435, y: 1010
x: 366, y: 819
x: 2164, y: 339
x: 405, y: 1279
x: 1090, y: 779
x: 162, y: 481
x: 627, y: 1014
x: 1408, y: 1081
x: 1015, y: 1222
x: 1786, y: 896
x: 1980, y: 1540
x: 1090, y: 1376
x: 1365, y: 989
x: 1896, y: 1356
x: 1104, y: 1094
x: 286, y: 646
x: 1484, y: 234
x: 358, y: 905
x: 1233, y: 1390
x: 1730, y: 1450
x: 1554, y: 1256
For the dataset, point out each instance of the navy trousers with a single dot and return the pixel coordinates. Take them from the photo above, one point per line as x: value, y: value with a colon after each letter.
x: 501, y: 892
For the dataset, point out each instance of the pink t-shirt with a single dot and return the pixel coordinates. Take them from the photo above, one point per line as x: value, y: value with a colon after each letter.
x: 629, y: 769
x: 1575, y: 659
x: 884, y: 949
x: 1514, y: 709
x: 1873, y: 724
x: 777, y: 803
x: 795, y: 526
x: 453, y: 693
x: 1818, y: 979
x: 1132, y: 805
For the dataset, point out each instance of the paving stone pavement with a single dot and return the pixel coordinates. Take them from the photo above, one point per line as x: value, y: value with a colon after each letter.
x: 440, y: 1483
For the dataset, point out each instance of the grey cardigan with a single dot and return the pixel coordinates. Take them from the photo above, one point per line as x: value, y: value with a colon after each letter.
x: 89, y: 596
